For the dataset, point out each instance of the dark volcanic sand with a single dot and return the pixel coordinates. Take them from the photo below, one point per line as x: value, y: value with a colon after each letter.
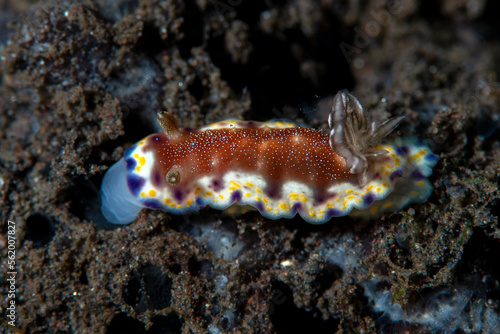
x: 81, y: 82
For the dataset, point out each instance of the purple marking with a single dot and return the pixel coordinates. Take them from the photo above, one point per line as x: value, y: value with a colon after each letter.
x: 216, y: 185
x: 272, y: 192
x: 200, y: 201
x: 431, y: 157
x: 157, y: 138
x: 131, y: 163
x: 403, y: 150
x: 259, y: 206
x: 249, y: 125
x: 156, y: 179
x: 236, y: 196
x: 319, y: 198
x: 152, y: 203
x: 369, y: 199
x: 296, y: 208
x: 178, y: 194
x: 417, y: 175
x: 322, y: 196
x: 396, y: 174
x: 135, y: 184
x: 334, y: 213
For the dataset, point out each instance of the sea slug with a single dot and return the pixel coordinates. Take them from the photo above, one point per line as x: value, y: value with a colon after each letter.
x: 277, y: 167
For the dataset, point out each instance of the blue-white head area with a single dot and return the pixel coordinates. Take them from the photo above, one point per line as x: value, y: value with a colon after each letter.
x: 118, y: 204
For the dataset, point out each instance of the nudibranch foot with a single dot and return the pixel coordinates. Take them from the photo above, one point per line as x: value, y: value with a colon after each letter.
x: 277, y: 167
x: 119, y: 205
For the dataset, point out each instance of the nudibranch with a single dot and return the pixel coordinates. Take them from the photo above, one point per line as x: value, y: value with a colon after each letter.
x: 277, y: 167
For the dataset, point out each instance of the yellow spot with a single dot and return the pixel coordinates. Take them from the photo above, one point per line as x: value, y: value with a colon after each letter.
x: 275, y: 210
x: 138, y: 169
x: 232, y: 188
x: 258, y: 190
x: 197, y: 191
x: 141, y: 143
x: 337, y: 199
x: 172, y: 204
x: 265, y: 200
x: 142, y: 161
x: 387, y: 205
x: 221, y: 197
x: 344, y: 203
x: 268, y: 208
x: 320, y: 216
x: 257, y: 198
x: 358, y: 200
x: 189, y: 202
x: 385, y: 184
x: 235, y: 184
x: 322, y: 211
x: 283, y: 207
x: 369, y: 187
x: 166, y: 200
x: 136, y: 156
x: 152, y: 193
x: 348, y: 191
x: 143, y: 194
x: 373, y: 210
x: 414, y: 193
x: 248, y: 195
x: 250, y: 184
x: 420, y: 183
x: 387, y: 173
x: 330, y: 205
x: 350, y: 197
x: 178, y: 206
x: 312, y: 214
x: 209, y: 193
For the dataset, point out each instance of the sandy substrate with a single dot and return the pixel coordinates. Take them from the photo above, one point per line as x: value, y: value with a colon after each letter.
x: 81, y: 82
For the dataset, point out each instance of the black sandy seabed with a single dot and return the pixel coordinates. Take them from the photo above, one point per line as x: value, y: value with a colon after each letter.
x: 81, y: 81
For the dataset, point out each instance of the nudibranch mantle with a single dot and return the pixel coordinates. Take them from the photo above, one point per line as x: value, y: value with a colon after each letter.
x: 277, y: 167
